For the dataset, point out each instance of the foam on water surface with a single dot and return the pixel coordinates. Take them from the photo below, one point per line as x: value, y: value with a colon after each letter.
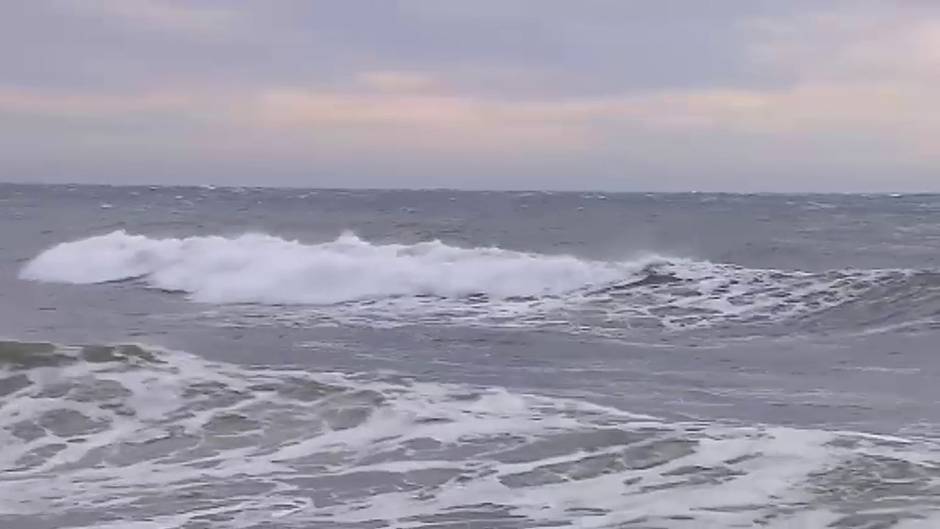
x: 266, y: 269
x: 352, y: 281
x: 99, y: 435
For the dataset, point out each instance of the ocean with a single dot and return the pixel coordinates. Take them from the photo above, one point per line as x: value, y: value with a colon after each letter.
x: 240, y: 358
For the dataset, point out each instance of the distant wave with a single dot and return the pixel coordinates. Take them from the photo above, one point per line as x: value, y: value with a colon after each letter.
x: 259, y: 268
x: 353, y: 280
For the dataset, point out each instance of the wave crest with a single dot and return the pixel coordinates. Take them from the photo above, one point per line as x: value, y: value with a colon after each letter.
x: 259, y: 268
x: 352, y: 281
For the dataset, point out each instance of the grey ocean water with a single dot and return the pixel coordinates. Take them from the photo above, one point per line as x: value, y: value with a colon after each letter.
x: 248, y: 358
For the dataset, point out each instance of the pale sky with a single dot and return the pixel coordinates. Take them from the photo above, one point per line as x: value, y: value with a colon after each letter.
x: 672, y: 95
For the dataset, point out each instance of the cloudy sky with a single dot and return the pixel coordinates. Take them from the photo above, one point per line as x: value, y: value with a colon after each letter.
x: 733, y: 95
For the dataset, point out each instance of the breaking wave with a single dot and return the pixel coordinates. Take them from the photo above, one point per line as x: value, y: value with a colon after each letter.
x: 258, y: 268
x: 350, y: 280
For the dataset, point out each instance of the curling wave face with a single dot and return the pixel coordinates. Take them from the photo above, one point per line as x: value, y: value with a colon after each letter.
x: 143, y: 433
x: 350, y: 280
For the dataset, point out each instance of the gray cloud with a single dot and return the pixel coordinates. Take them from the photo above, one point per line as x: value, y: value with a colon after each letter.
x: 743, y: 94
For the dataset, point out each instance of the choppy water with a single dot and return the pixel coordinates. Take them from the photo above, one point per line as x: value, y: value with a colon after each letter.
x: 192, y: 357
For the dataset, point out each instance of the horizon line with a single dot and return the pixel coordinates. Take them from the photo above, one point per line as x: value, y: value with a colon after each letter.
x: 207, y: 186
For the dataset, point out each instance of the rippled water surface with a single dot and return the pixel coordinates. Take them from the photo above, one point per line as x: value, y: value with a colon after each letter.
x: 248, y: 358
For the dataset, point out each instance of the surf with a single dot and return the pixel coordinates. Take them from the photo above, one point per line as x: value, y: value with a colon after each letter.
x: 266, y: 269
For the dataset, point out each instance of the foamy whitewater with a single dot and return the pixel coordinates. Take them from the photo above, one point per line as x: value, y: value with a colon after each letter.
x: 259, y: 268
x: 128, y: 430
x: 437, y: 282
x: 252, y: 358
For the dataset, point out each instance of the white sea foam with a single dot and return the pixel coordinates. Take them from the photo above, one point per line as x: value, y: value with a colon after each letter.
x: 266, y: 269
x: 352, y: 280
x: 174, y: 439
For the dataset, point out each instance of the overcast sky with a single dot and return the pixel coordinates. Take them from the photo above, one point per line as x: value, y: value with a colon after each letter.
x: 732, y: 95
